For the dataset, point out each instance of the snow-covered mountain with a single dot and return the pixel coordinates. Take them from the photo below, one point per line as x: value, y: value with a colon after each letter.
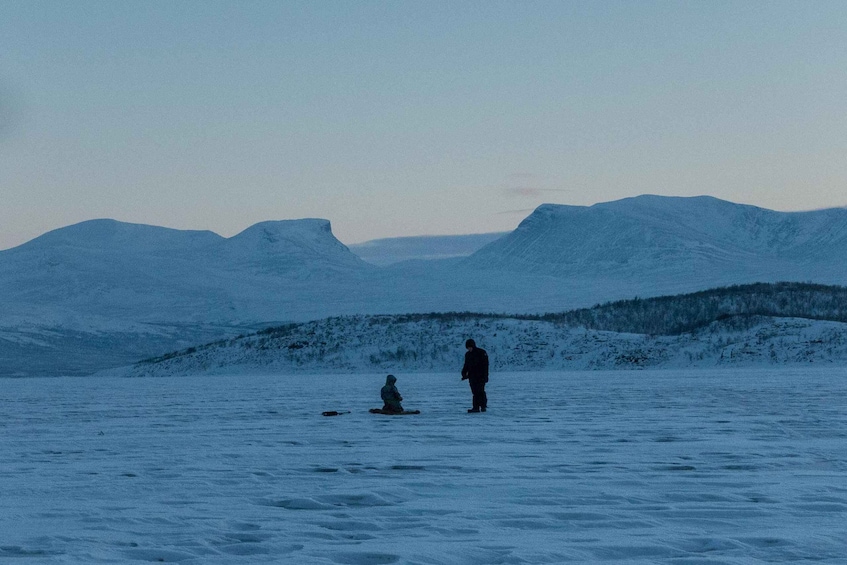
x: 134, y: 287
x: 128, y: 290
x: 305, y: 248
x: 664, y: 244
x: 152, y: 274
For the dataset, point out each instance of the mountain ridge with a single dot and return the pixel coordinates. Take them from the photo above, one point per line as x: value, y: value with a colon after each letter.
x: 669, y: 236
x: 87, y: 279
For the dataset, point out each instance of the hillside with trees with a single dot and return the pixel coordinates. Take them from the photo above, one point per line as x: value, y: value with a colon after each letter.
x: 674, y: 315
x: 783, y: 323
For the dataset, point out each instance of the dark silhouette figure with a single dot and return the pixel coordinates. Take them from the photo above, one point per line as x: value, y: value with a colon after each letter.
x: 391, y: 396
x: 475, y: 371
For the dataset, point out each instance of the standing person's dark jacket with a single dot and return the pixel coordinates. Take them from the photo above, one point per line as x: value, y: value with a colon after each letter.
x: 475, y: 371
x: 476, y: 365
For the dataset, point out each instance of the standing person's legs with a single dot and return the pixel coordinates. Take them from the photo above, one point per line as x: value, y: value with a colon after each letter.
x: 479, y: 399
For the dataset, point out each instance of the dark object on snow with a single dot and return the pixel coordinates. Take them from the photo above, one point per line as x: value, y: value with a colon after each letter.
x: 334, y: 413
x: 391, y: 396
x: 475, y: 371
x: 388, y: 413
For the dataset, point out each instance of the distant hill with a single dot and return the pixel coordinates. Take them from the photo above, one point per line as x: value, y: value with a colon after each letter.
x: 393, y: 250
x: 758, y: 324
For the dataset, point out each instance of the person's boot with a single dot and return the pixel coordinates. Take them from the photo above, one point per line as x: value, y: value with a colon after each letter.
x: 473, y: 410
x: 482, y: 409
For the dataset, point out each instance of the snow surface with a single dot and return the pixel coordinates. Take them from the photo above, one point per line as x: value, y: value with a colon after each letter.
x: 683, y: 467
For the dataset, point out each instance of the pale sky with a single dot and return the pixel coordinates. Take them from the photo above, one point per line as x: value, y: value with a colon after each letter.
x: 409, y: 118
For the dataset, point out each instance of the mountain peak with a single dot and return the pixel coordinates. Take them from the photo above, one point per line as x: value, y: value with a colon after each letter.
x: 283, y: 245
x: 273, y: 231
x: 104, y: 234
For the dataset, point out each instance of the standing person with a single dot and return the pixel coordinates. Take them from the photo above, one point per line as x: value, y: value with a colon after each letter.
x: 391, y: 396
x: 475, y: 371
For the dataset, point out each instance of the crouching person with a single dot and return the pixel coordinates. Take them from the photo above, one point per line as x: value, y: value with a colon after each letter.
x: 391, y: 396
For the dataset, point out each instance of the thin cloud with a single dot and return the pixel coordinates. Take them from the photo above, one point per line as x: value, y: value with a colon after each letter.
x: 530, y: 185
x: 533, y: 192
x: 522, y: 212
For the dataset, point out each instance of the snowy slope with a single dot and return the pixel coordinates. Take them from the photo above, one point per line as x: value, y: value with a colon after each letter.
x: 363, y: 344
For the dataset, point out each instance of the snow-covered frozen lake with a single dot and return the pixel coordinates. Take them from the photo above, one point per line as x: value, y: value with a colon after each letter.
x: 675, y: 467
